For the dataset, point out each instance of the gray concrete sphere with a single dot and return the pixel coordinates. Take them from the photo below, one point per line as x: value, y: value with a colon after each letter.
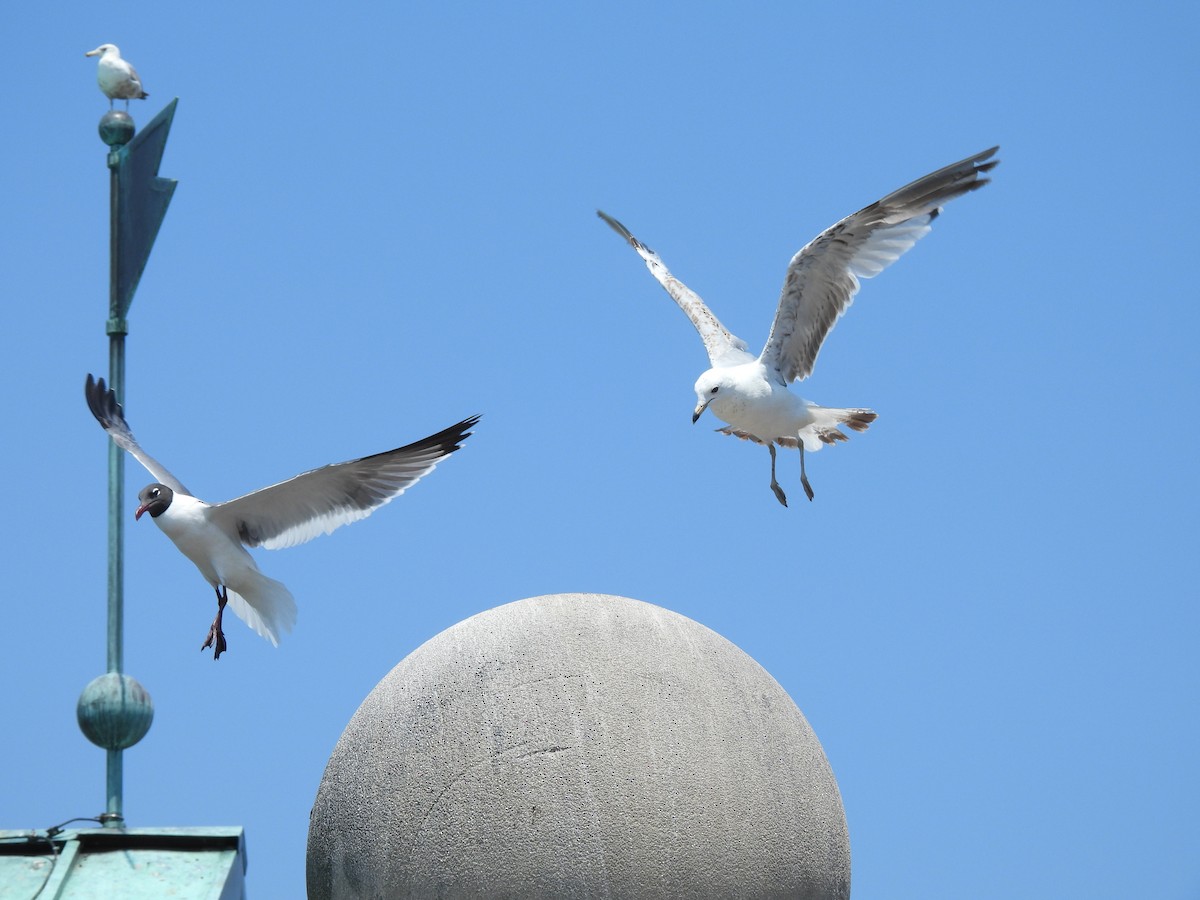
x: 578, y: 745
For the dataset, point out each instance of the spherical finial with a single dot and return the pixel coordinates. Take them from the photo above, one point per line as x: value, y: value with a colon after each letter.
x: 116, y: 128
x: 114, y: 711
x: 578, y: 745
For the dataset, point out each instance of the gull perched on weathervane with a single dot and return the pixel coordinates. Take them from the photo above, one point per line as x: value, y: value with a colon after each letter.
x: 116, y: 77
x: 751, y: 393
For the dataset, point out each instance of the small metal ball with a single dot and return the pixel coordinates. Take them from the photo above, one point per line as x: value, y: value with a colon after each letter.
x: 114, y: 711
x: 116, y: 128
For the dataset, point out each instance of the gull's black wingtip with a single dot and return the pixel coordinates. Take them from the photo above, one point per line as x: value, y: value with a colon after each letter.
x: 443, y: 443
x: 102, y: 401
x: 615, y: 225
x: 448, y: 439
x: 461, y: 431
x: 624, y: 232
x: 97, y: 394
x: 984, y: 162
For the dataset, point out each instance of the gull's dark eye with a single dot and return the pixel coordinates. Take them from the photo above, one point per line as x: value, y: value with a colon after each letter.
x: 714, y: 390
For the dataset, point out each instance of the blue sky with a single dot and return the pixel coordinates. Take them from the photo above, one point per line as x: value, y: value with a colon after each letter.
x: 385, y: 222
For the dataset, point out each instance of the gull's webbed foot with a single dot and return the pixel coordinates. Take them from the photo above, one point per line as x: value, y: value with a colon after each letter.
x: 779, y: 494
x: 804, y: 477
x: 216, y: 637
x: 807, y: 487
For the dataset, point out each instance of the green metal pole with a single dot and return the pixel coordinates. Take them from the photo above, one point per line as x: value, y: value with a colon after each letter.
x: 114, y: 711
x: 116, y: 490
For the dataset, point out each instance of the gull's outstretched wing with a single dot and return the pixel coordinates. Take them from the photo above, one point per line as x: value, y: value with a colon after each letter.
x: 104, y: 406
x: 724, y: 349
x: 324, y: 499
x: 822, y: 279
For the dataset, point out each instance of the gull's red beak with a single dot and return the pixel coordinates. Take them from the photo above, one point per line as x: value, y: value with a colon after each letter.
x: 141, y: 509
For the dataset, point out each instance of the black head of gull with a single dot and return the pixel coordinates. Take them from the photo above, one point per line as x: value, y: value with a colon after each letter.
x: 154, y: 499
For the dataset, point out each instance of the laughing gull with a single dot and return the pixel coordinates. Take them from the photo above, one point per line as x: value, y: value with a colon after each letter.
x: 116, y: 77
x: 751, y: 394
x: 283, y: 515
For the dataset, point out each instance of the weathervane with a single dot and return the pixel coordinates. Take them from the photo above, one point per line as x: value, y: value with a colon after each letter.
x: 114, y: 710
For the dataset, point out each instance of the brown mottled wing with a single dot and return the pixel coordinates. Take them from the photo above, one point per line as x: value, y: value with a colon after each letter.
x: 823, y: 278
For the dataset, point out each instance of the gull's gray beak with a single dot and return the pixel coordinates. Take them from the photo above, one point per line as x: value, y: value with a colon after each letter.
x: 699, y: 411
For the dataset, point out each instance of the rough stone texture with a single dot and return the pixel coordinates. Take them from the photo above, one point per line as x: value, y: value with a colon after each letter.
x: 578, y: 745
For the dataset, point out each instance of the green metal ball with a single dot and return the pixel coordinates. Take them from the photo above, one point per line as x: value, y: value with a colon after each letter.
x: 116, y: 128
x: 114, y: 711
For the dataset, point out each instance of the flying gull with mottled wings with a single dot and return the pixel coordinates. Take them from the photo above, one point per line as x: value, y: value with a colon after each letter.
x: 751, y: 393
x: 283, y: 515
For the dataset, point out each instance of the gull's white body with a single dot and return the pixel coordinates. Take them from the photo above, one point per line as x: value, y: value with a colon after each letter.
x: 117, y: 78
x: 761, y: 409
x: 263, y: 603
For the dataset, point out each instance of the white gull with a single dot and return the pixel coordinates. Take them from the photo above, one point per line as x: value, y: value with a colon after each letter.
x: 116, y: 77
x: 750, y: 393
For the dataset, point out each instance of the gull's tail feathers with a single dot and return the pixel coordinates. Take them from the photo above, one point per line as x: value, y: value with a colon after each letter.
x: 264, y: 604
x: 824, y: 428
x: 821, y: 431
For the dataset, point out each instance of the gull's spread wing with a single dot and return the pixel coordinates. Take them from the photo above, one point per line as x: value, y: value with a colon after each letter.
x: 724, y: 349
x: 104, y: 406
x: 324, y: 499
x: 823, y: 278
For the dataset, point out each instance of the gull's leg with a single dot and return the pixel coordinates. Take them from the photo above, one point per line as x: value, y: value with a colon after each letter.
x: 216, y: 637
x: 779, y: 494
x: 803, y: 477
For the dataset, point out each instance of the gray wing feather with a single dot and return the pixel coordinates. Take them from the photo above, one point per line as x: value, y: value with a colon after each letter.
x: 318, y: 502
x: 823, y: 278
x: 104, y: 406
x: 724, y: 348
